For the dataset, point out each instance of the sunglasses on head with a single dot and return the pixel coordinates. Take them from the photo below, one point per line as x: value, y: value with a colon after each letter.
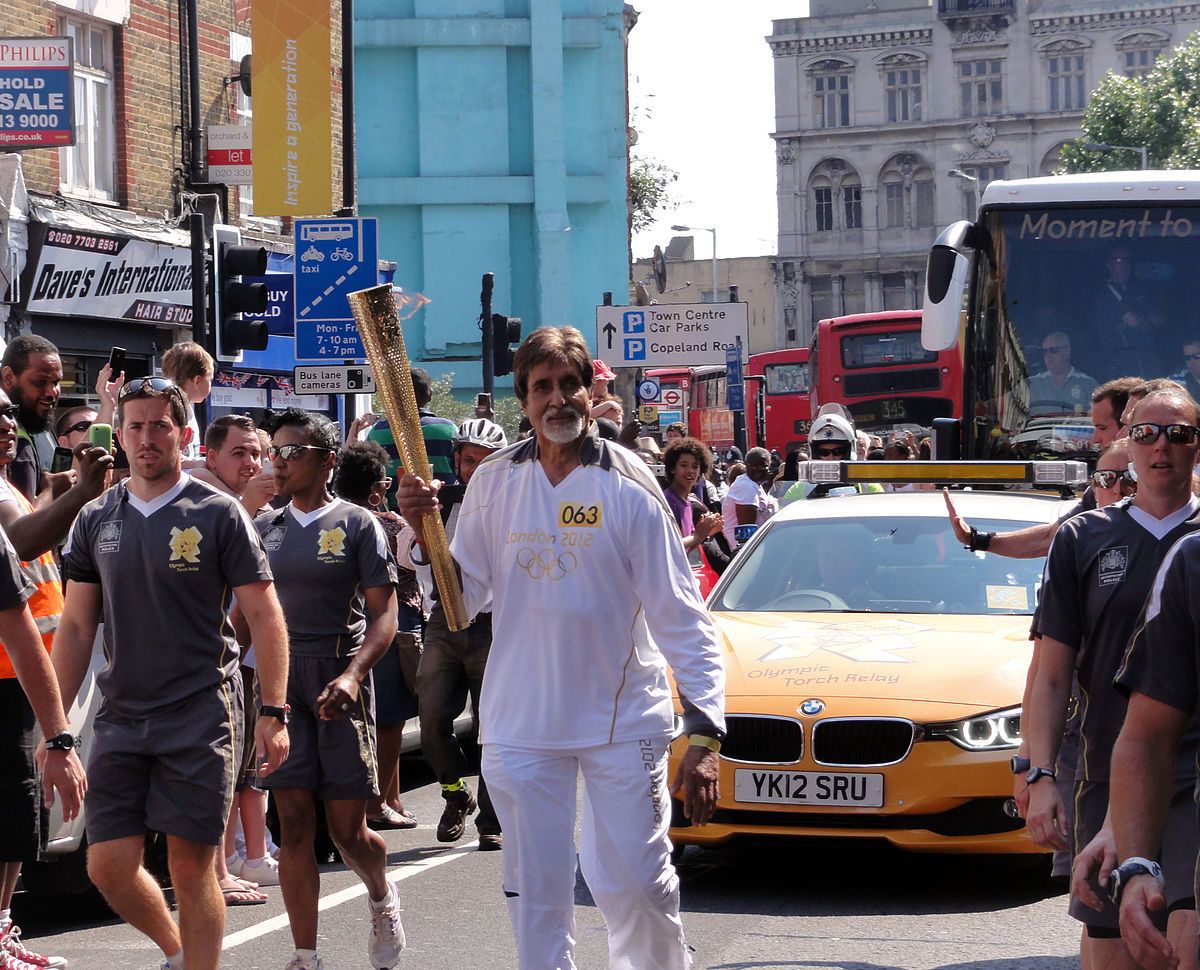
x: 292, y: 452
x: 1107, y: 477
x: 152, y: 386
x: 1177, y: 434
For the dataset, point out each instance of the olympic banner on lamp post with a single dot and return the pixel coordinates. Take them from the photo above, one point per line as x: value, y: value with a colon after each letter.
x: 290, y: 74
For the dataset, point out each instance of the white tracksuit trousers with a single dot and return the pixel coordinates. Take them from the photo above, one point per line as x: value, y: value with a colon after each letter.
x: 624, y: 851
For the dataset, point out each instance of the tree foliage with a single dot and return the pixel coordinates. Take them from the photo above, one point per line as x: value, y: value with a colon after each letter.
x: 445, y: 405
x: 649, y: 190
x: 1159, y: 111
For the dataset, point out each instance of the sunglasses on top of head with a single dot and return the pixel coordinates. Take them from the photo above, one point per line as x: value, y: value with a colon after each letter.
x: 1146, y: 433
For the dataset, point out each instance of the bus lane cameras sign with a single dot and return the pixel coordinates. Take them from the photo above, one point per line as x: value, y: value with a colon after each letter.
x: 669, y: 335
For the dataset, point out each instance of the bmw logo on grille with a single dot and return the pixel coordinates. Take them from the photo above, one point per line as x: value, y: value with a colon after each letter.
x: 812, y: 706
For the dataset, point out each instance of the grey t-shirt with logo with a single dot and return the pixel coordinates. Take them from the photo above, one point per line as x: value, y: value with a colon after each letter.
x: 323, y: 561
x: 167, y: 570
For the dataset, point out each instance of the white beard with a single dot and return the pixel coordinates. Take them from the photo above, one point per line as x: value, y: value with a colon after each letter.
x: 561, y: 433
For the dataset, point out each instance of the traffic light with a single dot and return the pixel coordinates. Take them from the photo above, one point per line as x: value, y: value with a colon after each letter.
x: 505, y: 331
x: 232, y: 297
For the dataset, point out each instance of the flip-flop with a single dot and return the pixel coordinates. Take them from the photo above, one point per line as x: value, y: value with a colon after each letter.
x: 389, y: 819
x: 243, y: 897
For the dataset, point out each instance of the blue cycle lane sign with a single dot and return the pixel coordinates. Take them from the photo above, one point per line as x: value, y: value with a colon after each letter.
x: 334, y: 257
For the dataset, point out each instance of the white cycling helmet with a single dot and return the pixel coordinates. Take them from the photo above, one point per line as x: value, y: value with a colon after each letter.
x: 480, y: 431
x: 831, y: 427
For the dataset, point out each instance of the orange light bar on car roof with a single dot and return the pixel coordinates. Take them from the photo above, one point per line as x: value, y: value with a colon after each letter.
x: 1067, y: 473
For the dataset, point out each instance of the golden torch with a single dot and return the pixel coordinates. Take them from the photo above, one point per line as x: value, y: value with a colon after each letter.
x: 378, y: 322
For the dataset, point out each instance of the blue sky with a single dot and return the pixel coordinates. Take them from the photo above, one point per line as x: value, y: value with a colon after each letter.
x: 703, y: 101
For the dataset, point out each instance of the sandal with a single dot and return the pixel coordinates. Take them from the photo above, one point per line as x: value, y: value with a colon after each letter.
x: 237, y: 896
x: 389, y: 819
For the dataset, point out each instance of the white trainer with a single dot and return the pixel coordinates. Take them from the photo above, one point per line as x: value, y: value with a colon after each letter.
x: 387, y: 933
x: 264, y: 871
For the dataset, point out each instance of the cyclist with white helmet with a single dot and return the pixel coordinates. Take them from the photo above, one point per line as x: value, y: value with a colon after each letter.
x: 452, y: 663
x: 830, y: 438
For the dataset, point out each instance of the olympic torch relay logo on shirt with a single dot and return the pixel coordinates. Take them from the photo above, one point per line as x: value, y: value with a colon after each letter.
x: 331, y: 542
x: 185, y: 546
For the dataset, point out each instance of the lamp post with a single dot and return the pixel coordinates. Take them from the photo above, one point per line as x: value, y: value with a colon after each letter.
x: 974, y: 180
x: 1099, y: 146
x: 714, y: 251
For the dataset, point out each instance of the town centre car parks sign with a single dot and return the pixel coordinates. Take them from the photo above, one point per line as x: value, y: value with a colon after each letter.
x: 670, y: 334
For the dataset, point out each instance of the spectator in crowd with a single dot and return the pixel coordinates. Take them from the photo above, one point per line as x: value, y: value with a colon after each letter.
x: 454, y: 661
x: 361, y: 478
x: 233, y: 462
x: 436, y: 431
x: 605, y: 404
x: 337, y: 587
x: 1099, y: 572
x: 31, y: 375
x: 561, y: 696
x: 72, y: 426
x: 630, y: 432
x: 685, y: 463
x: 33, y: 535
x: 675, y: 431
x: 746, y: 502
x: 157, y: 557
x: 192, y: 368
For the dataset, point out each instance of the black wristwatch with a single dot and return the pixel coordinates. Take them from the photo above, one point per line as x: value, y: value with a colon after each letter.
x: 1133, y: 866
x: 282, y: 714
x: 61, y: 742
x: 979, y: 541
x: 1018, y: 765
x: 1033, y: 774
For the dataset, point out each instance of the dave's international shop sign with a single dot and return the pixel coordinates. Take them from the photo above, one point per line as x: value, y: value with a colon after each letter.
x: 36, y: 107
x: 91, y: 274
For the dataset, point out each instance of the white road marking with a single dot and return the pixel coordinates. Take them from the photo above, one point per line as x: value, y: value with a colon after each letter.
x: 399, y: 874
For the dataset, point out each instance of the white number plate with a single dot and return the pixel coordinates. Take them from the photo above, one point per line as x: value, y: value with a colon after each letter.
x: 808, y: 788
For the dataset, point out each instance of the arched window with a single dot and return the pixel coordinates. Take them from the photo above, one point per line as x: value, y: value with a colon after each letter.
x: 906, y: 193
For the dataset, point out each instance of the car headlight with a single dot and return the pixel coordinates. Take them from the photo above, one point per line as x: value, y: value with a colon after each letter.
x: 986, y: 732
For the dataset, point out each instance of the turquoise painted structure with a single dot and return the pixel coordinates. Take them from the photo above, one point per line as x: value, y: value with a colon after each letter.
x: 491, y: 137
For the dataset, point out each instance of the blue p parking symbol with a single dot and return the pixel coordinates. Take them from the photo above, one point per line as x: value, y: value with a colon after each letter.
x: 634, y: 322
x: 635, y: 348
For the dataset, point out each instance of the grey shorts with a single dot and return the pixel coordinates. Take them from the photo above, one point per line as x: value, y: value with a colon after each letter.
x: 1177, y: 856
x: 248, y: 769
x: 23, y: 815
x: 171, y: 773
x: 334, y: 759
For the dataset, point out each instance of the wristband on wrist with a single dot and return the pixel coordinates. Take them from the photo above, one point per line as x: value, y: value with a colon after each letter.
x: 418, y: 544
x: 979, y: 541
x: 704, y: 741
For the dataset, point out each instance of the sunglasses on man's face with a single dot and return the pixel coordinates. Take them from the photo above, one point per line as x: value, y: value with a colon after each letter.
x: 292, y: 452
x: 77, y: 427
x: 11, y: 411
x: 1177, y: 434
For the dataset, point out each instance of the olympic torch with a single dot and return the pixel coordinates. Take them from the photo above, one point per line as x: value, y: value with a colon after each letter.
x: 379, y: 327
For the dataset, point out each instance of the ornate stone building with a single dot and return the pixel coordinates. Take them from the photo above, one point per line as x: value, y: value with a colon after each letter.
x: 879, y: 101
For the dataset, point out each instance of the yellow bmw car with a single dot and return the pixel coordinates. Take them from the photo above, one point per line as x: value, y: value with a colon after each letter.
x: 874, y: 675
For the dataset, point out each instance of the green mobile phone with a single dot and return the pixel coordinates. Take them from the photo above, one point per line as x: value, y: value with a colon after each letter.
x: 100, y: 436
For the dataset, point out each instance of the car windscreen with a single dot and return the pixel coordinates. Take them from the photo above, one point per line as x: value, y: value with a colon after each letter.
x: 878, y: 564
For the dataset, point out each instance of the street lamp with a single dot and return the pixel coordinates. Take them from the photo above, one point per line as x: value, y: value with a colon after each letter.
x: 714, y: 251
x: 1099, y: 146
x: 958, y: 173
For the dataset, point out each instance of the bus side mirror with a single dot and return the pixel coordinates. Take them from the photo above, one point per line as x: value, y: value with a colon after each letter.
x: 946, y: 276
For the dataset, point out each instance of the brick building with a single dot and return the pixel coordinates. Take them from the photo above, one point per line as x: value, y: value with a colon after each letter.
x: 122, y: 193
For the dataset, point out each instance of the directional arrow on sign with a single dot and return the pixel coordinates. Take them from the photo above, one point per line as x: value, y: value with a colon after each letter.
x: 609, y: 330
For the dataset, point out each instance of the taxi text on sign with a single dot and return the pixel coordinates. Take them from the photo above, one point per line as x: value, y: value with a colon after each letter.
x: 670, y: 334
x: 292, y: 133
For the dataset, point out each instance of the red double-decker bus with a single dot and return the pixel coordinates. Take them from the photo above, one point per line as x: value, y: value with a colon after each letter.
x: 695, y: 396
x: 874, y: 364
x: 783, y: 412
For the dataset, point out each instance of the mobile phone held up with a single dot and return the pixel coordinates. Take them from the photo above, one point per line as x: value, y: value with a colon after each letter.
x: 116, y: 361
x: 101, y: 436
x: 62, y: 460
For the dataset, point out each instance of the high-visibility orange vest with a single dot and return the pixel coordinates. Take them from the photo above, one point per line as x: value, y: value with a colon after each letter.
x: 46, y: 604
